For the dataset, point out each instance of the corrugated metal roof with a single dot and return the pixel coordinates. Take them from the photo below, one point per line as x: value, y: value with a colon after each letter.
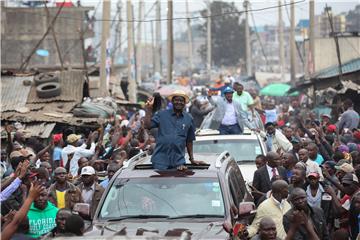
x: 47, y: 116
x: 42, y: 130
x: 62, y: 107
x: 14, y: 93
x: 71, y: 82
x: 348, y: 67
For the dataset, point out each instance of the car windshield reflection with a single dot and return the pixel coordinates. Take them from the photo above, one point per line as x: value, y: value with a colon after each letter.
x: 168, y: 197
x: 242, y: 150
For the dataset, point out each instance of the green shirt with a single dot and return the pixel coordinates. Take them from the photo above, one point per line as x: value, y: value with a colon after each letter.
x: 41, y: 221
x: 244, y: 99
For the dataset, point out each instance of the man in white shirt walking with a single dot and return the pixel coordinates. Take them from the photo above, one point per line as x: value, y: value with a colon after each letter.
x: 72, y: 149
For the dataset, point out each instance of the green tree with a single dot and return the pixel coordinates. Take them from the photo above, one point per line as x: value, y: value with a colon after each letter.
x: 227, y: 35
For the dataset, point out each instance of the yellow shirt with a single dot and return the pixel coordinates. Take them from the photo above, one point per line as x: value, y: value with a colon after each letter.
x: 60, y: 196
x: 270, y: 208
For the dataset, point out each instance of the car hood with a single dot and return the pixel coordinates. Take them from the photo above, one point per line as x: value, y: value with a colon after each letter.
x: 191, y: 229
x: 247, y: 170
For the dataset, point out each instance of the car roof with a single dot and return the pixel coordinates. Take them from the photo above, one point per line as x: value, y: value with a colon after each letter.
x: 227, y: 137
x: 140, y: 166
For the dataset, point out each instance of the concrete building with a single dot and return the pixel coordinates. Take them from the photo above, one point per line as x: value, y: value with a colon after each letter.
x: 22, y: 28
x: 322, y: 23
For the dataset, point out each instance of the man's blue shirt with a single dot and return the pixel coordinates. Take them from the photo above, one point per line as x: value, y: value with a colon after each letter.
x: 174, y: 132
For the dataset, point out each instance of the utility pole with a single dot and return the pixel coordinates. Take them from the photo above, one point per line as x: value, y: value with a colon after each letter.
x: 209, y: 39
x: 247, y: 40
x: 130, y: 37
x: 190, y: 47
x: 281, y: 43
x: 138, y: 45
x: 153, y: 46
x: 105, y: 33
x: 158, y: 38
x: 311, y: 58
x: 292, y: 43
x: 338, y: 53
x: 117, y: 41
x: 170, y: 42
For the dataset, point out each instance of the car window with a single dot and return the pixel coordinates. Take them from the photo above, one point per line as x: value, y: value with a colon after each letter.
x: 236, y: 184
x: 241, y: 149
x: 163, y: 196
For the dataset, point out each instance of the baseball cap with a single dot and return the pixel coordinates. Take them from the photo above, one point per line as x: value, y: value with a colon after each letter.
x: 57, y: 137
x: 228, y: 90
x: 331, y: 128
x: 349, y: 178
x: 357, y: 135
x: 346, y: 167
x: 15, y: 154
x: 20, y: 153
x: 124, y: 123
x: 325, y: 115
x: 60, y: 170
x: 313, y: 174
x: 295, y: 140
x: 88, y: 170
x: 73, y: 138
x: 340, y: 162
x: 331, y: 164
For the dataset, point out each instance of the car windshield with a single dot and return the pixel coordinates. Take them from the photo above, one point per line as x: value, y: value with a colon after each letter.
x: 242, y: 149
x: 169, y: 197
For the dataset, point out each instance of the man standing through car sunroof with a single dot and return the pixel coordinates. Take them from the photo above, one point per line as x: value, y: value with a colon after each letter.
x: 176, y: 132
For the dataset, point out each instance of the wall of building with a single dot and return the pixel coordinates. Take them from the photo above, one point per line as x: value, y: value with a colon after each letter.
x: 325, y: 51
x: 22, y: 28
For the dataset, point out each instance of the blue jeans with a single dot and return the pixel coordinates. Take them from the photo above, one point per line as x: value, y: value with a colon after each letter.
x: 229, y: 129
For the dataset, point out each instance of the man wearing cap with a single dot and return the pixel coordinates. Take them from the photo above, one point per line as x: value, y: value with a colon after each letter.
x: 325, y: 121
x: 59, y: 143
x: 314, y: 190
x: 329, y: 171
x: 176, y: 131
x: 77, y: 152
x: 296, y: 147
x: 91, y: 191
x: 275, y: 140
x: 62, y: 193
x: 229, y: 116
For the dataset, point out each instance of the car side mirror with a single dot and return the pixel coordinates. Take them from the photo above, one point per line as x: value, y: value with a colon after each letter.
x: 82, y: 208
x: 246, y: 209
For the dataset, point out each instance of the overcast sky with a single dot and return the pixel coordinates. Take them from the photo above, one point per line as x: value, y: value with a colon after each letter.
x: 262, y: 17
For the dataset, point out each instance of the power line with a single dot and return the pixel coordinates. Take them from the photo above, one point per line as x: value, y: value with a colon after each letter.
x: 183, y: 18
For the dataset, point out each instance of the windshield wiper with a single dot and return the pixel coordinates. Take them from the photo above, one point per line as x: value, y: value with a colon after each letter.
x: 198, y: 216
x: 136, y: 216
x: 245, y: 161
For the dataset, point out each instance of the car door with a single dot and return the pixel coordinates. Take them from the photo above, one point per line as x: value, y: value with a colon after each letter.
x: 236, y: 184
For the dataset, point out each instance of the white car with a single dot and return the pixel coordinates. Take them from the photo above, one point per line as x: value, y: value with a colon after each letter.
x: 244, y: 148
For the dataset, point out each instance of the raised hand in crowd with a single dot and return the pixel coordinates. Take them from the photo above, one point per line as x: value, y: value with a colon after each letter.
x: 35, y: 190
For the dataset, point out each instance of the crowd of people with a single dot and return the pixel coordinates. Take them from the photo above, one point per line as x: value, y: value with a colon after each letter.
x: 306, y: 187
